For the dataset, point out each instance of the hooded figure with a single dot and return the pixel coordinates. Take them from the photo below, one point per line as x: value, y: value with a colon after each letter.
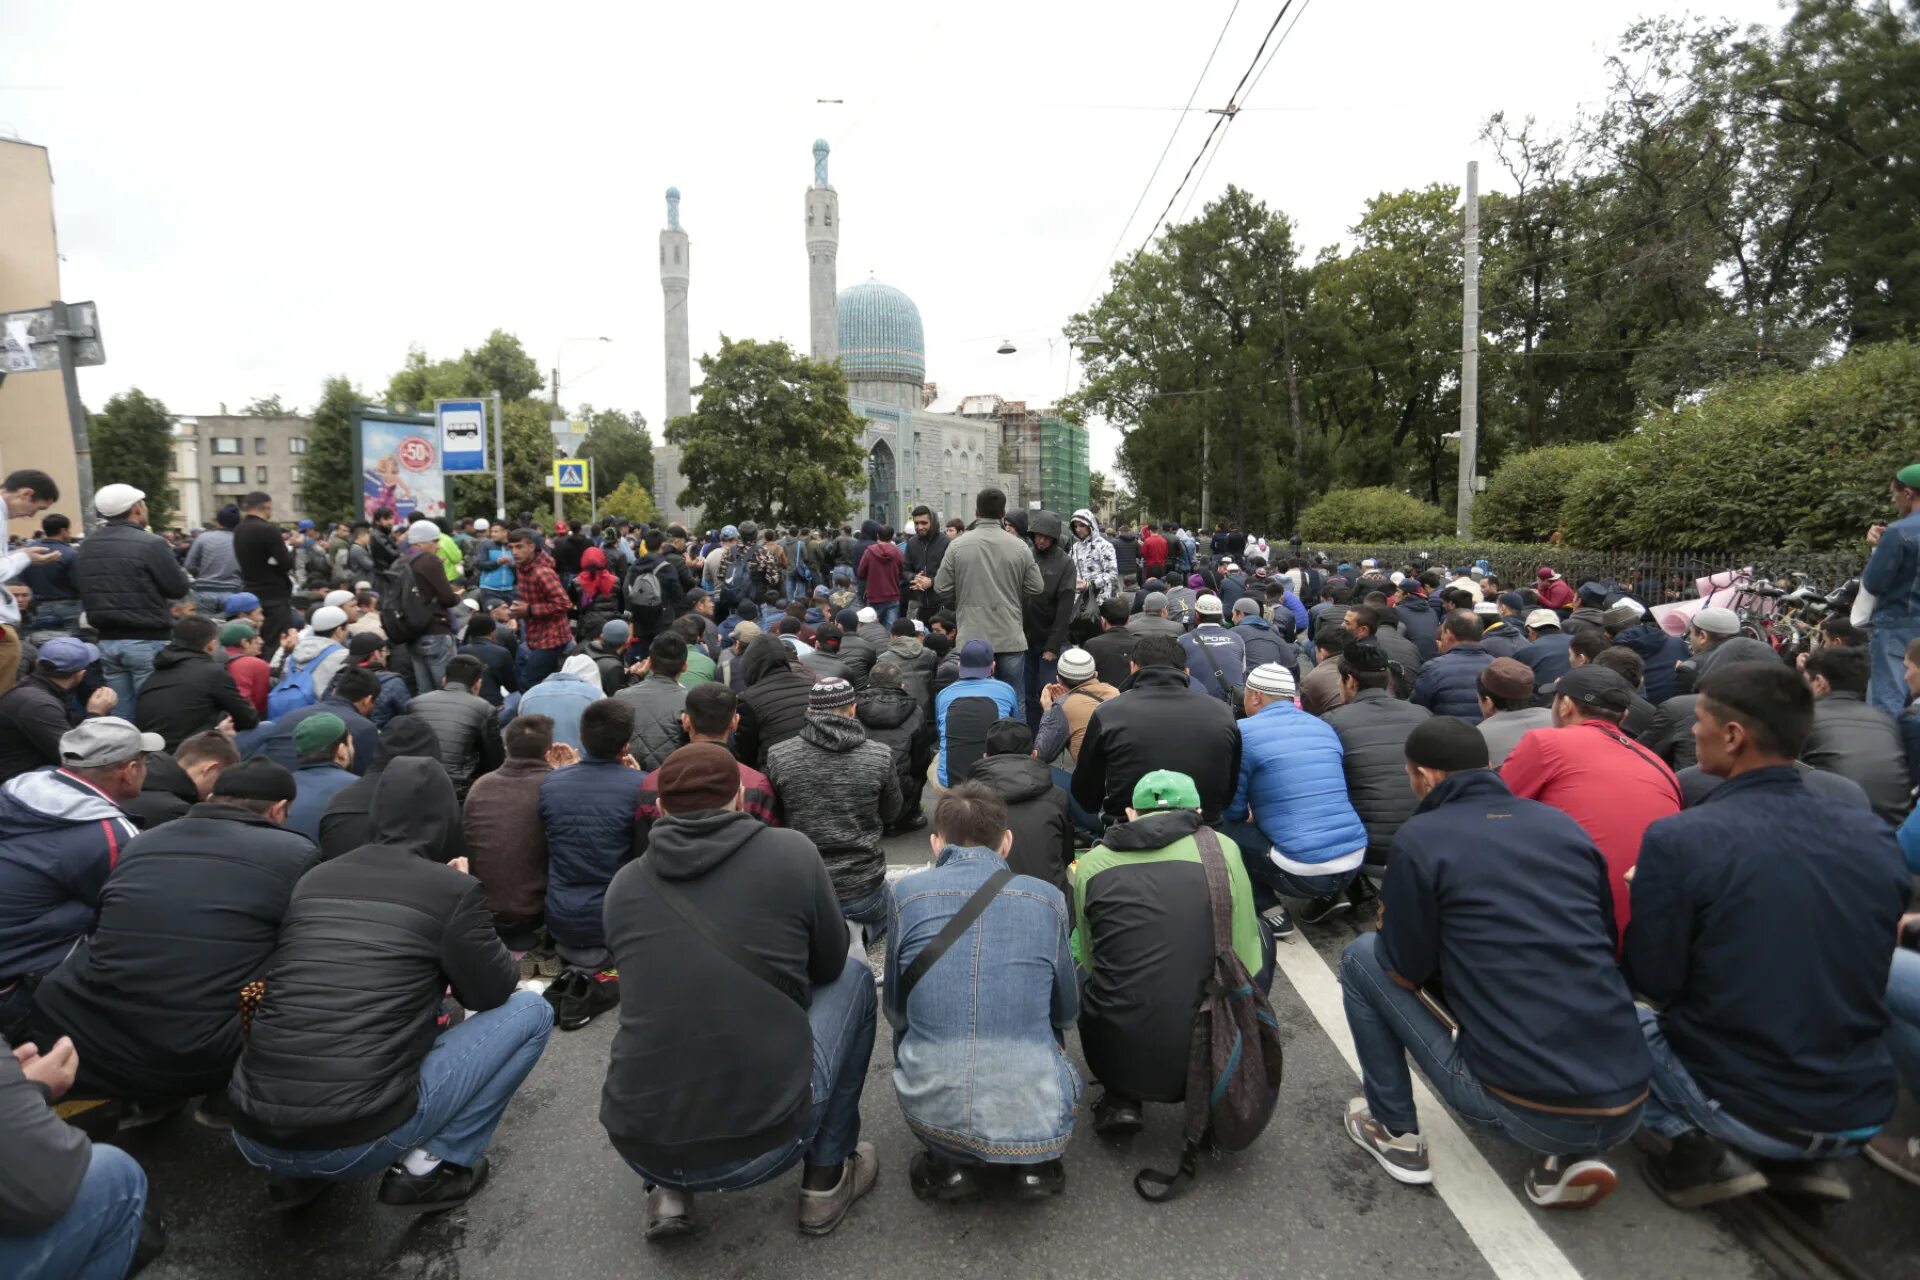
x: 774, y: 706
x: 348, y: 821
x: 1047, y: 615
x: 1093, y: 563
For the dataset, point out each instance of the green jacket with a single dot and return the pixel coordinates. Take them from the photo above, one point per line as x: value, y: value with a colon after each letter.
x: 1102, y: 858
x: 986, y: 576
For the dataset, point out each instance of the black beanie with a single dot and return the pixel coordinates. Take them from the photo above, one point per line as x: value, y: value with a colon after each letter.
x: 1447, y: 743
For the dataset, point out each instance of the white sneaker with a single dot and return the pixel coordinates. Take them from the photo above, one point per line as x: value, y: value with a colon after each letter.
x: 1403, y: 1157
x: 1555, y: 1182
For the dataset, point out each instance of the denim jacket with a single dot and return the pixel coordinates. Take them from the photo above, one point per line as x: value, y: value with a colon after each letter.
x: 977, y: 1062
x: 1893, y: 573
x: 497, y: 573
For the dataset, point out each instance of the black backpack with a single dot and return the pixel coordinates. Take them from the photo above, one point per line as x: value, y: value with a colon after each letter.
x: 1233, y: 1071
x: 407, y: 612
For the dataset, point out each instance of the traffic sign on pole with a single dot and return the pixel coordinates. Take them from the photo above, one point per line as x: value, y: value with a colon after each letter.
x: 463, y: 434
x: 573, y: 475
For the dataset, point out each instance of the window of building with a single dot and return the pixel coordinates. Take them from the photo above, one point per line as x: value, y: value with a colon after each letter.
x: 226, y: 444
x: 259, y: 444
x: 259, y: 475
x: 297, y: 444
x: 293, y: 474
x: 229, y: 475
x: 299, y: 504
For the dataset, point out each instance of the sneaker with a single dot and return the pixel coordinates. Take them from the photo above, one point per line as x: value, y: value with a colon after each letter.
x: 1404, y: 1157
x: 821, y: 1211
x: 1117, y: 1117
x: 1699, y: 1170
x: 1279, y: 921
x: 934, y: 1178
x: 284, y: 1195
x: 1039, y: 1181
x: 669, y: 1213
x: 1557, y: 1182
x: 1361, y: 890
x: 152, y: 1243
x: 215, y: 1112
x: 1898, y: 1156
x: 1321, y: 909
x: 587, y: 996
x: 448, y: 1186
x: 548, y: 964
x: 1814, y: 1179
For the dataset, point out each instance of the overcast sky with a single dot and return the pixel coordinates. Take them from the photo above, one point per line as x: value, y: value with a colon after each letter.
x: 259, y: 195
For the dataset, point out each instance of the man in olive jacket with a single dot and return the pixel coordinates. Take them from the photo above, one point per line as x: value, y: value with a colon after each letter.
x: 987, y: 575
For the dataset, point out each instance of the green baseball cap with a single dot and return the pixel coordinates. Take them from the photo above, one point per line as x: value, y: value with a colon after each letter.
x: 318, y: 731
x: 1909, y: 475
x: 1165, y: 789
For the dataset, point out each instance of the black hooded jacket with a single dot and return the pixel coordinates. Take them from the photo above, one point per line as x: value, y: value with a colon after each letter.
x: 1158, y: 722
x: 166, y: 794
x: 711, y: 1064
x: 774, y: 706
x: 187, y: 692
x: 371, y: 941
x: 1045, y: 617
x: 892, y: 717
x: 348, y: 821
x: 1037, y: 814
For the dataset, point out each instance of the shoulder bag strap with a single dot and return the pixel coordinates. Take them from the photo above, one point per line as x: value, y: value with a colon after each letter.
x: 962, y: 921
x: 1206, y: 651
x: 700, y: 923
x: 1219, y: 888
x: 1085, y: 693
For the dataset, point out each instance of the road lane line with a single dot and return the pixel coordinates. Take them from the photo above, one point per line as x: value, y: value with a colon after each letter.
x: 1504, y: 1229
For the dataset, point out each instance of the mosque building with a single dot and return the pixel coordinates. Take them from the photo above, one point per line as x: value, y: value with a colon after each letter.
x: 873, y: 331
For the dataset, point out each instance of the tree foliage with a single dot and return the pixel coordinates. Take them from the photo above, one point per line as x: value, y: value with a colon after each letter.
x: 330, y: 482
x: 132, y: 441
x: 619, y: 444
x: 630, y: 500
x: 1523, y: 497
x: 773, y: 440
x: 269, y: 407
x: 1372, y: 515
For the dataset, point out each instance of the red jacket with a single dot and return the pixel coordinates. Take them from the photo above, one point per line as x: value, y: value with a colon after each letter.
x: 1153, y: 551
x: 1555, y: 594
x: 252, y: 677
x: 1605, y: 781
x: 879, y: 573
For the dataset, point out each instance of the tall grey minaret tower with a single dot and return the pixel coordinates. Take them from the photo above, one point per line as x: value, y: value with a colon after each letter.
x: 823, y: 252
x: 673, y: 284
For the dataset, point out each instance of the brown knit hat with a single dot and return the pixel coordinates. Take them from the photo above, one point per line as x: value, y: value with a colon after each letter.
x: 700, y: 776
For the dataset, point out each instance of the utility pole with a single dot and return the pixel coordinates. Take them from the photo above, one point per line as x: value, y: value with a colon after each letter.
x: 1469, y: 350
x: 1206, y: 502
x: 76, y: 414
x: 499, y: 466
x: 1293, y: 407
x: 559, y: 499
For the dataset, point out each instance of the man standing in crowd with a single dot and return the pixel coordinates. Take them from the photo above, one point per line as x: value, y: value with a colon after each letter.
x: 987, y: 575
x: 543, y: 605
x: 1892, y: 578
x: 266, y: 565
x: 433, y: 647
x: 56, y: 596
x: 1763, y: 1052
x: 212, y: 564
x: 746, y: 1050
x: 1011, y: 983
x: 342, y: 1076
x: 128, y: 582
x: 1555, y: 1067
x: 1046, y: 614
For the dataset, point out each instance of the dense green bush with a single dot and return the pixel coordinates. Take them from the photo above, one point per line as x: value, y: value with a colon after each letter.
x: 1525, y: 493
x: 1792, y: 460
x: 1388, y: 515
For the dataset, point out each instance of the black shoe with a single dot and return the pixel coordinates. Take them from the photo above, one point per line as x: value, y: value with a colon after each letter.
x: 1324, y: 908
x: 933, y: 1178
x: 1279, y: 921
x: 1814, y: 1179
x: 1700, y: 1170
x: 215, y: 1112
x: 1117, y: 1117
x: 1361, y: 890
x: 447, y: 1186
x: 1039, y: 1181
x: 587, y: 997
x: 907, y: 826
x: 139, y: 1115
x: 284, y: 1195
x: 152, y: 1243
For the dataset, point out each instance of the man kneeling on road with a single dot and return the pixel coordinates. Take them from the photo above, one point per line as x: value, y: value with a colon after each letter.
x: 1501, y: 908
x: 976, y: 1061
x: 745, y: 1051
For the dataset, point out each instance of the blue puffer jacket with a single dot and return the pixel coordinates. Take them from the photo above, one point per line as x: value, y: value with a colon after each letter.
x: 1659, y: 651
x: 1292, y: 775
x: 59, y: 838
x: 1420, y: 623
x: 587, y: 811
x: 1450, y: 684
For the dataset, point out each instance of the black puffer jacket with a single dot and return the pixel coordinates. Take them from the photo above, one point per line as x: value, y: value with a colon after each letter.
x: 34, y: 714
x: 166, y: 794
x: 370, y: 942
x: 1159, y: 722
x: 774, y: 705
x: 468, y: 730
x: 893, y: 718
x: 1861, y: 742
x: 1037, y: 814
x: 1373, y: 731
x: 187, y: 692
x: 128, y: 579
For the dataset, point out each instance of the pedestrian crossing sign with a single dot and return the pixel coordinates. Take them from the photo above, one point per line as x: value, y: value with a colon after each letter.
x: 572, y: 475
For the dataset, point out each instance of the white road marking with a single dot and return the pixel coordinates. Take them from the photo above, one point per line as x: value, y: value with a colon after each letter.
x: 1500, y: 1225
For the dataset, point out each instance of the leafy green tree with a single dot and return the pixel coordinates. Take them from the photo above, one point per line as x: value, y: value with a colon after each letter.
x: 1099, y: 492
x: 630, y: 500
x: 1525, y: 493
x: 529, y: 447
x: 330, y: 480
x: 500, y: 363
x: 132, y: 441
x: 619, y: 444
x: 773, y: 440
x: 1371, y: 515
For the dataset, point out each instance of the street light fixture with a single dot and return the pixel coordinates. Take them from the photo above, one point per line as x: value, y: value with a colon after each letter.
x: 1006, y: 347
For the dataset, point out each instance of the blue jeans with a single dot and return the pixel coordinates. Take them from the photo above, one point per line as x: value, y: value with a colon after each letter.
x: 211, y: 602
x: 1678, y: 1105
x: 870, y: 911
x: 1039, y: 672
x: 1082, y: 820
x: 537, y: 664
x: 466, y: 1082
x: 843, y: 1015
x: 1011, y: 669
x: 61, y: 616
x: 95, y: 1238
x: 430, y: 655
x: 126, y: 664
x: 1271, y: 883
x: 1903, y: 1002
x: 1887, y: 651
x: 1389, y: 1024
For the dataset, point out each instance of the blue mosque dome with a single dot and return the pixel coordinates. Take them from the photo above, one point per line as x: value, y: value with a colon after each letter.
x: 880, y: 335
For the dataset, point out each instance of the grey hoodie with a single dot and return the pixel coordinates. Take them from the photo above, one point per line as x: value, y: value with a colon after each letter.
x: 840, y: 791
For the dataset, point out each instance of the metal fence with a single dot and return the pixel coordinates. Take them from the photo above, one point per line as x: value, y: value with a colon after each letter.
x: 1654, y: 577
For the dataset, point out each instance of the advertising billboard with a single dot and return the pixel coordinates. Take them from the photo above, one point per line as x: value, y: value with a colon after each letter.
x: 399, y: 458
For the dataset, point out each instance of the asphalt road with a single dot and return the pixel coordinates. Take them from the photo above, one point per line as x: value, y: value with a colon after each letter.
x: 1303, y: 1202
